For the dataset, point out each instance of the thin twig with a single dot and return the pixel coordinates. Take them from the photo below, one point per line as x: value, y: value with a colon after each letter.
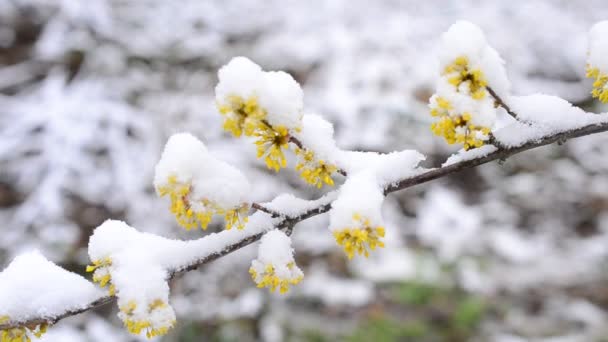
x: 503, y: 104
x: 287, y: 222
x: 260, y: 207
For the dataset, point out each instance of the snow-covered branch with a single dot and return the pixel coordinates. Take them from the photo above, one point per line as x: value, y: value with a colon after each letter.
x: 288, y: 220
x: 267, y: 107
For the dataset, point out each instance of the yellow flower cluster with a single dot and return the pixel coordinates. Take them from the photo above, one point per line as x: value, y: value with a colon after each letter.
x: 360, y: 237
x: 21, y: 334
x: 313, y: 171
x: 101, y: 273
x: 459, y: 72
x: 268, y: 278
x: 246, y: 116
x: 457, y: 129
x: 270, y: 144
x: 600, y: 83
x: 241, y: 115
x: 137, y: 326
x: 190, y: 218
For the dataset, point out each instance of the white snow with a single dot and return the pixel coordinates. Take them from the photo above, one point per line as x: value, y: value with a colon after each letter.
x: 275, y: 249
x: 543, y: 115
x: 598, y: 46
x: 276, y: 91
x: 142, y: 262
x: 474, y: 153
x: 361, y: 194
x: 387, y: 168
x: 464, y: 38
x: 33, y: 287
x: 186, y: 158
x: 291, y: 206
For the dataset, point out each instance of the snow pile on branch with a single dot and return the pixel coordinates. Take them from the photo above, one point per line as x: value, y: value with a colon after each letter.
x: 462, y: 103
x: 199, y: 185
x: 541, y: 115
x: 320, y: 157
x: 32, y: 287
x: 355, y: 218
x: 275, y: 266
x: 597, y: 60
x: 136, y: 266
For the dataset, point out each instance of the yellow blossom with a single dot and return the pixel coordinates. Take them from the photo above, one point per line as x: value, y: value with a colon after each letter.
x: 268, y: 277
x: 456, y: 128
x: 101, y: 273
x: 313, y: 171
x: 361, y: 236
x: 600, y: 83
x: 459, y: 72
x: 270, y: 145
x: 21, y: 334
x: 235, y: 217
x: 136, y: 326
x: 241, y: 115
x: 181, y: 206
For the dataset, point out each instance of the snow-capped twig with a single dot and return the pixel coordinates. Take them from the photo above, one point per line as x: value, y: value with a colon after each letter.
x: 321, y: 206
x: 502, y: 103
x: 260, y: 207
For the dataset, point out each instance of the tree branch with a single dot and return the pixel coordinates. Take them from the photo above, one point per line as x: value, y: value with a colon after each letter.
x: 288, y: 222
x: 503, y: 104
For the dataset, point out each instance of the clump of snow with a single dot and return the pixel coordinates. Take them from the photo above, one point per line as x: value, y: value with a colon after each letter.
x: 275, y: 265
x: 141, y: 263
x: 464, y: 38
x: 598, y: 46
x: 291, y: 206
x: 543, y: 115
x: 386, y: 167
x: 360, y: 195
x: 317, y: 135
x: 275, y: 248
x: 276, y: 92
x: 464, y: 155
x: 187, y: 160
x: 33, y: 287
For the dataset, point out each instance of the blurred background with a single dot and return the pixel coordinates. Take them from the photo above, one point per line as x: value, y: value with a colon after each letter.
x: 508, y: 252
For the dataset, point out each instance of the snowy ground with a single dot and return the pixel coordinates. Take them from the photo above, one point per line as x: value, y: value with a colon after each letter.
x: 90, y: 93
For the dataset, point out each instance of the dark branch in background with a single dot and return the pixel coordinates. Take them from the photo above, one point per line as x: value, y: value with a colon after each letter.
x: 288, y: 222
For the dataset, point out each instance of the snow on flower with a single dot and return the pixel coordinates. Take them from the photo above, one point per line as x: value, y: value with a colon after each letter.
x: 136, y: 278
x: 597, y: 60
x: 275, y: 267
x: 138, y: 265
x: 355, y: 218
x: 462, y: 103
x: 316, y: 158
x: 33, y: 287
x: 199, y: 185
x: 264, y: 105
